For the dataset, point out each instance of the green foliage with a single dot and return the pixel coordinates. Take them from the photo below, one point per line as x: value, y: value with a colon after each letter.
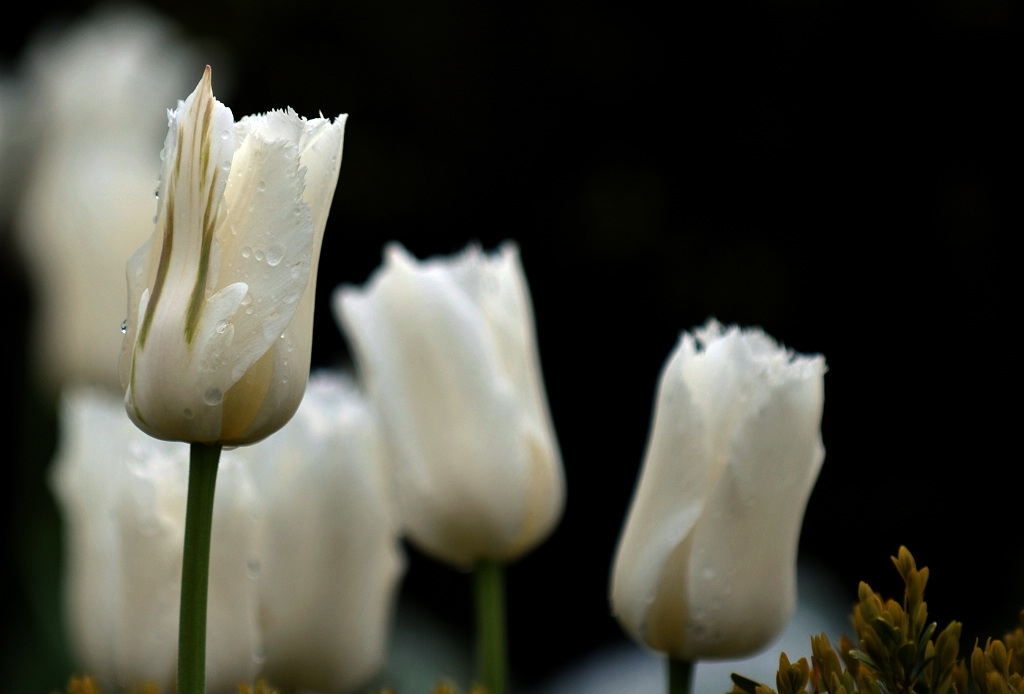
x: 898, y: 652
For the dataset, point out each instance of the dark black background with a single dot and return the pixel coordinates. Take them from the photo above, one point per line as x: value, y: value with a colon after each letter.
x: 843, y: 174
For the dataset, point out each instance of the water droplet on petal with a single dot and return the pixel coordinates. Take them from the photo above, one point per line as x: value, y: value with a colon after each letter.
x: 247, y: 299
x: 708, y: 573
x: 259, y: 255
x: 246, y: 251
x: 124, y: 326
x: 222, y: 326
x: 187, y: 413
x: 262, y: 186
x: 274, y: 255
x: 224, y: 134
x: 213, y: 396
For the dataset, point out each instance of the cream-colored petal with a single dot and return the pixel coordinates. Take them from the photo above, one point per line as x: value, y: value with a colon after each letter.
x: 669, y: 498
x: 742, y: 581
x: 320, y: 149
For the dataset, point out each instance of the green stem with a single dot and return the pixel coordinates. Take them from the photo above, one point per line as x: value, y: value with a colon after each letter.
x: 195, y: 570
x: 680, y: 676
x: 489, y: 588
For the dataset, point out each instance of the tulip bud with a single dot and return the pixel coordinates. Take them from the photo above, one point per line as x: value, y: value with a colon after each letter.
x: 220, y: 299
x: 305, y: 560
x: 331, y: 559
x: 88, y: 177
x: 706, y: 564
x: 122, y: 496
x: 447, y: 350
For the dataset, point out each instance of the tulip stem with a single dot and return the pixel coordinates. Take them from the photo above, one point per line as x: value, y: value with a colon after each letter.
x: 680, y: 676
x: 489, y: 588
x: 195, y: 570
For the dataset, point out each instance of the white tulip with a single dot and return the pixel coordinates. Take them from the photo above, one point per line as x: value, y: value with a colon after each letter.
x: 331, y: 559
x: 705, y: 567
x: 305, y: 556
x: 220, y: 299
x: 87, y: 172
x: 122, y: 497
x: 447, y: 350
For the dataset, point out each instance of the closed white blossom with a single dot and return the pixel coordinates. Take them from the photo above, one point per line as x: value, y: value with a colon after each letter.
x: 305, y: 557
x: 122, y: 497
x: 220, y: 299
x: 447, y: 350
x: 706, y: 564
x: 331, y: 558
x: 86, y: 118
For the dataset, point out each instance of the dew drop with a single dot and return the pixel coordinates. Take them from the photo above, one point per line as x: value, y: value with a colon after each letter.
x: 274, y: 255
x: 247, y: 299
x: 187, y: 413
x: 259, y: 255
x: 249, y: 310
x: 222, y: 326
x: 262, y: 186
x: 213, y: 396
x: 124, y: 326
x: 708, y: 573
x: 224, y: 134
x: 246, y: 251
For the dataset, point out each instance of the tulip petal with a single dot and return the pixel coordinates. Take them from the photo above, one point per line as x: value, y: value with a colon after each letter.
x: 669, y: 498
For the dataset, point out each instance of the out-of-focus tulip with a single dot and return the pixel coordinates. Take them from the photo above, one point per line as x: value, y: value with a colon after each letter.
x: 90, y: 118
x: 705, y: 567
x: 447, y: 350
x: 331, y: 559
x: 122, y: 496
x: 305, y: 559
x: 220, y: 299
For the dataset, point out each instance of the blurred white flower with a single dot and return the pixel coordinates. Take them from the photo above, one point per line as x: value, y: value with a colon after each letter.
x: 331, y: 558
x: 305, y: 556
x: 706, y: 565
x: 85, y: 137
x: 122, y: 496
x: 446, y: 347
x: 220, y: 298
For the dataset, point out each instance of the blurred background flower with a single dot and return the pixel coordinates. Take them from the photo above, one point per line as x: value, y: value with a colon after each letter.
x: 305, y: 561
x: 843, y: 175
